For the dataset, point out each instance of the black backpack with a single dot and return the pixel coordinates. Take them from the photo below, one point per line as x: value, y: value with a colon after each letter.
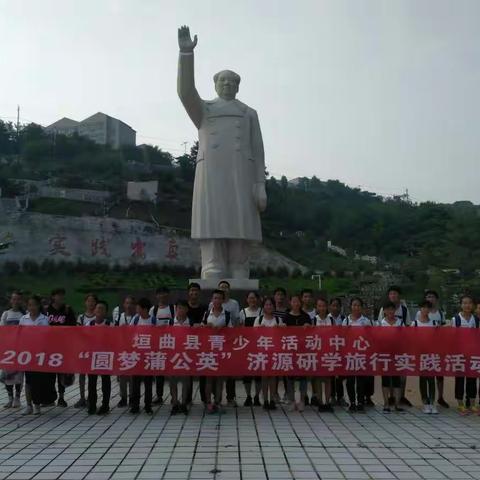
x: 458, y: 321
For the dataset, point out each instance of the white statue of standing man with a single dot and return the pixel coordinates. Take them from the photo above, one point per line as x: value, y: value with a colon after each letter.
x: 229, y: 189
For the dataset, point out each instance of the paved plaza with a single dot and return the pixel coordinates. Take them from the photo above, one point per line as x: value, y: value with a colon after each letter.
x: 244, y: 443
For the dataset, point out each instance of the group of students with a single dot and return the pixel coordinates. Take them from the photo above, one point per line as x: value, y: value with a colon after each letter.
x: 43, y: 388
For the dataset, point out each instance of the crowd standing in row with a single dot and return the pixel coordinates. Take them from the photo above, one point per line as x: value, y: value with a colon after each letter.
x: 44, y: 389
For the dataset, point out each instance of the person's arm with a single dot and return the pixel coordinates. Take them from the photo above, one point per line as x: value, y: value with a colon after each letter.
x: 4, y: 317
x: 258, y: 154
x: 186, y: 79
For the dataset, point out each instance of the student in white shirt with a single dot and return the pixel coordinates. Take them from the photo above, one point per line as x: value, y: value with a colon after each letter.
x: 144, y: 318
x: 100, y: 320
x: 323, y: 385
x: 268, y: 319
x: 122, y: 315
x: 84, y: 319
x: 356, y: 384
x: 164, y: 312
x: 391, y: 383
x: 466, y: 387
x: 247, y: 318
x: 181, y: 320
x: 13, y: 380
x: 233, y: 307
x: 308, y: 302
x: 426, y: 384
x: 37, y: 391
x: 216, y: 317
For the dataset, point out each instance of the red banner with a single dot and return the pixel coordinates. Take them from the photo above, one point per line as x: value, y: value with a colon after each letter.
x: 296, y: 351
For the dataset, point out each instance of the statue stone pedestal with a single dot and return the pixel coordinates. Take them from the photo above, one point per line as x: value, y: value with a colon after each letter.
x: 235, y: 283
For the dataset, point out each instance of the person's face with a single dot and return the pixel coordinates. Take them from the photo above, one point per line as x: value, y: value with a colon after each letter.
x: 335, y: 308
x: 432, y: 299
x: 394, y: 297
x: 279, y: 298
x: 477, y: 311
x: 356, y: 308
x: 194, y: 294
x: 143, y: 312
x: 226, y: 86
x: 33, y: 307
x: 15, y: 300
x: 181, y: 312
x: 90, y: 303
x: 162, y: 298
x: 467, y: 305
x: 129, y: 305
x: 224, y: 287
x: 100, y: 311
x: 268, y: 307
x: 59, y: 299
x: 252, y: 300
x: 424, y: 311
x: 217, y: 300
x: 307, y: 299
x: 295, y: 304
x: 389, y: 313
x: 321, y: 308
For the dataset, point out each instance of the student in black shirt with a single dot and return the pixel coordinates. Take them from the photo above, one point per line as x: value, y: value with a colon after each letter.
x: 60, y: 314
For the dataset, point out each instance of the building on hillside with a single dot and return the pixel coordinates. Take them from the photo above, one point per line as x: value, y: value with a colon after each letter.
x: 338, y: 250
x: 366, y: 258
x: 143, y: 191
x: 101, y: 128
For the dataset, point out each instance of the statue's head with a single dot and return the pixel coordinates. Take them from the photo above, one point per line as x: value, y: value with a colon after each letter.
x: 226, y: 84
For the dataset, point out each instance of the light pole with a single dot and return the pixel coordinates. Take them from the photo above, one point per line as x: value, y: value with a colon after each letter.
x: 319, y: 276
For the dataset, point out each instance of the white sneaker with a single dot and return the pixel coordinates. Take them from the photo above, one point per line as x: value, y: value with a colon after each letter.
x: 433, y: 410
x: 36, y: 410
x: 16, y: 403
x: 28, y: 410
x: 9, y: 403
x: 300, y: 406
x: 427, y: 409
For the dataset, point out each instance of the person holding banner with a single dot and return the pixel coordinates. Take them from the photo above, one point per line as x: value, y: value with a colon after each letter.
x: 269, y: 384
x: 40, y: 385
x: 356, y: 384
x: 466, y: 387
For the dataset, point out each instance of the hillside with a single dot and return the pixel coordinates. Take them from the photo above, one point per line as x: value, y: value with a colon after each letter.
x: 414, y: 239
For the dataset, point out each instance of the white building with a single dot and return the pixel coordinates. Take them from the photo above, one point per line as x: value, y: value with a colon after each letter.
x: 100, y: 128
x: 143, y: 191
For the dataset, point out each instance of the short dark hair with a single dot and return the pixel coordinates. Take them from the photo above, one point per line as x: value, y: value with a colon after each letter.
x: 181, y: 303
x: 388, y: 305
x: 162, y: 290
x: 218, y: 292
x: 194, y: 285
x: 35, y: 298
x: 335, y: 299
x: 88, y: 295
x: 144, y: 303
x: 425, y: 304
x: 104, y: 303
x: 394, y: 288
x: 306, y: 290
x: 467, y: 295
x: 322, y: 299
x: 356, y: 299
x: 257, y: 295
x: 58, y: 291
x: 431, y: 292
x: 129, y: 296
x: 268, y: 299
x: 223, y: 281
x: 281, y: 290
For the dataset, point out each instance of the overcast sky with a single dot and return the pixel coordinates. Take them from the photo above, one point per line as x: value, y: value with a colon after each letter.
x: 378, y: 94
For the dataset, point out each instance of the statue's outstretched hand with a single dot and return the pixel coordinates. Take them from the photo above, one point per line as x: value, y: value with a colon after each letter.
x: 260, y: 196
x: 185, y: 42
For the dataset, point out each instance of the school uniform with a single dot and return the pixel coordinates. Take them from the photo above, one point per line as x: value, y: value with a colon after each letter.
x: 137, y: 380
x: 247, y: 318
x: 391, y: 381
x: 426, y: 384
x: 356, y: 385
x: 12, y: 378
x: 184, y: 381
x: 465, y: 386
x: 338, y: 391
x: 93, y: 378
x: 317, y: 381
x: 41, y: 384
x: 82, y: 320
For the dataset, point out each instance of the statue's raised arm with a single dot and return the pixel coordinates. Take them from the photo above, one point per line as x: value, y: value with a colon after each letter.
x: 186, y: 79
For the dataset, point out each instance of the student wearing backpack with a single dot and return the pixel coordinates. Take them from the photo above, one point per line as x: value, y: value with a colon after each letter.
x: 356, y: 384
x: 246, y: 318
x: 83, y: 319
x: 101, y: 312
x: 164, y: 313
x: 466, y: 387
x: 267, y: 319
x: 122, y: 315
x: 216, y: 317
x: 142, y: 317
x: 401, y: 313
